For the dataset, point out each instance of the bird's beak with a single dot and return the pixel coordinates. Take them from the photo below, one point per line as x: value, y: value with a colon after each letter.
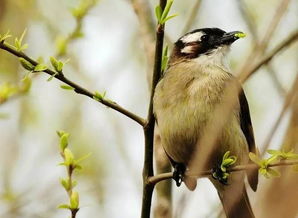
x: 229, y: 38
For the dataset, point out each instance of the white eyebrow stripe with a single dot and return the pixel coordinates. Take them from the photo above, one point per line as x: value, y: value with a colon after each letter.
x: 192, y: 37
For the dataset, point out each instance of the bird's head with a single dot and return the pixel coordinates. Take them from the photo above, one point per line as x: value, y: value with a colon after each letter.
x: 207, y: 45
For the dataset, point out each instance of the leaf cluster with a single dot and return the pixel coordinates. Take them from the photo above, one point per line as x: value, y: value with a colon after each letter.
x: 79, y: 13
x: 162, y: 15
x: 8, y: 90
x: 71, y: 164
x: 276, y: 155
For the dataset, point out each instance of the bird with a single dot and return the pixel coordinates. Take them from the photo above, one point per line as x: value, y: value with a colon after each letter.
x: 184, y: 103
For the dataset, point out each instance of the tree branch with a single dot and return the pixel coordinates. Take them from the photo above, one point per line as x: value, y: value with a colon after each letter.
x: 163, y: 176
x: 259, y: 49
x: 77, y: 88
x: 251, y: 24
x: 192, y: 17
x: 149, y: 127
x: 246, y: 74
x: 288, y: 101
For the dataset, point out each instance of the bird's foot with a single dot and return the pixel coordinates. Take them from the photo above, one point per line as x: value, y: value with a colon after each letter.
x: 219, y: 175
x: 178, y: 173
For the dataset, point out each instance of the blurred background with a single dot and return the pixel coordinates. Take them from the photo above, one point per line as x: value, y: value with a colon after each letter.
x: 110, y: 49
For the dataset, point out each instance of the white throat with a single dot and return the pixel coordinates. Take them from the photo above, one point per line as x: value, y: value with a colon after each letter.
x: 217, y: 57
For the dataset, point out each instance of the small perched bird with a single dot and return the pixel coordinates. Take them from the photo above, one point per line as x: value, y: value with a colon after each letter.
x: 184, y: 103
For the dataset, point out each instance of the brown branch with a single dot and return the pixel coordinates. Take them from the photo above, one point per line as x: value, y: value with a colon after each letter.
x: 149, y: 127
x: 206, y: 173
x: 77, y: 88
x: 249, y: 20
x: 147, y: 32
x: 288, y: 41
x: 192, y: 17
x: 289, y: 99
x: 259, y: 49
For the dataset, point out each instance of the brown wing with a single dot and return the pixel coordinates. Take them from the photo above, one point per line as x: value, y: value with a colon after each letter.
x: 247, y: 129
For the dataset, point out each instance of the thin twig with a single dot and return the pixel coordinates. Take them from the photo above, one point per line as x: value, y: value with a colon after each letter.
x: 206, y: 173
x: 77, y: 88
x: 76, y: 33
x: 288, y: 41
x: 143, y: 12
x: 289, y: 99
x: 249, y: 20
x: 192, y: 17
x: 262, y: 46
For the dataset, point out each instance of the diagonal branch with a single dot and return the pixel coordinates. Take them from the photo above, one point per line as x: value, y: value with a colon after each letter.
x: 288, y: 101
x: 288, y: 41
x: 77, y: 88
x: 192, y: 17
x: 259, y: 49
x: 251, y: 25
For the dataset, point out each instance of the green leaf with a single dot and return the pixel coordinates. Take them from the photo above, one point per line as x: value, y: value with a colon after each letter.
x: 272, y: 173
x: 74, y: 200
x: 78, y: 167
x: 66, y: 87
x: 54, y: 62
x: 6, y: 91
x: 271, y: 159
x: 5, y: 36
x: 74, y: 183
x: 166, y: 10
x: 83, y: 158
x: 25, y: 84
x: 254, y: 158
x: 63, y: 206
x: 52, y: 76
x: 60, y: 133
x: 24, y: 47
x: 18, y: 42
x: 226, y: 155
x: 40, y: 68
x: 68, y: 156
x: 263, y: 171
x: 283, y: 154
x: 60, y: 66
x: 98, y: 96
x: 170, y: 17
x: 158, y: 13
x: 165, y: 59
x: 273, y: 152
x: 62, y: 164
x: 229, y: 162
x: 64, y: 141
x: 61, y: 45
x: 26, y: 64
x: 65, y: 184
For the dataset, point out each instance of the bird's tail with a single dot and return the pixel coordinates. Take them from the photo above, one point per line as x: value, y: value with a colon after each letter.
x: 236, y: 203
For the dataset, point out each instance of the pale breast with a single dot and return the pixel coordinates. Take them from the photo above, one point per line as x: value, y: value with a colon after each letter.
x: 183, y: 103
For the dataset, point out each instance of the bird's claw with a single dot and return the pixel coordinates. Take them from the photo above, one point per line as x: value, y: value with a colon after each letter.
x: 178, y: 174
x: 220, y: 176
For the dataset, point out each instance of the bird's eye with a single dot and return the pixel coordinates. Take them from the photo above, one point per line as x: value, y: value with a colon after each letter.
x: 204, y: 38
